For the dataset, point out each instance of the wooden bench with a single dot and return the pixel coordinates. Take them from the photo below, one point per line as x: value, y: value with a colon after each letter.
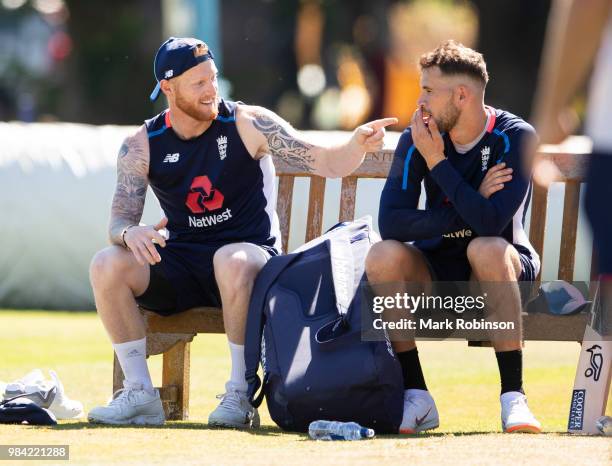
x: 171, y: 336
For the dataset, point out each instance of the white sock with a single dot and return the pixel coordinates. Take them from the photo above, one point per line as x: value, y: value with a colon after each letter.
x: 237, y: 380
x: 132, y: 357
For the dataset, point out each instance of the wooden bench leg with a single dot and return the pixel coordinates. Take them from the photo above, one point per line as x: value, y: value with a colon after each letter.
x: 175, y: 381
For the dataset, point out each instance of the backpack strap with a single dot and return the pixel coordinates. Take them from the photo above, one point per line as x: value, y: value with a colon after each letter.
x: 343, y: 276
x: 255, y: 322
x: 343, y: 271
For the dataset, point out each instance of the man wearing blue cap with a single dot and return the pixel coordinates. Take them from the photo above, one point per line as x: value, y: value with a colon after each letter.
x: 208, y: 162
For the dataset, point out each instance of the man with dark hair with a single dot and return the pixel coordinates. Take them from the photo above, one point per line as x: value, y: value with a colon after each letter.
x: 209, y: 164
x: 469, y: 156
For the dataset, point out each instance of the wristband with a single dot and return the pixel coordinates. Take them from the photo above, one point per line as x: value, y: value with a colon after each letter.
x: 123, y: 232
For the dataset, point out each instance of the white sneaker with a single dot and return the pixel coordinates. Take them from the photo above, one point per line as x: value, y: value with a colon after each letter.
x: 516, y: 416
x: 130, y: 406
x: 234, y: 411
x: 420, y: 412
x: 62, y: 406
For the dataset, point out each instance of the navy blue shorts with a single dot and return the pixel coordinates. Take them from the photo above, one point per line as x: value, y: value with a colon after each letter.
x: 445, y: 269
x: 184, y: 279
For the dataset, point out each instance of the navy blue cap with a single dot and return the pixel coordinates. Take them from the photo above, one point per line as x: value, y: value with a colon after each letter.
x: 177, y: 55
x: 559, y: 298
x: 19, y: 410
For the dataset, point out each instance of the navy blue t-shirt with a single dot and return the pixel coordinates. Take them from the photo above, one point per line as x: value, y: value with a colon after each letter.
x: 210, y: 188
x: 455, y: 211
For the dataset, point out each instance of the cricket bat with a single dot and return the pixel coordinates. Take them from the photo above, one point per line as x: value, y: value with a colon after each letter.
x: 592, y: 381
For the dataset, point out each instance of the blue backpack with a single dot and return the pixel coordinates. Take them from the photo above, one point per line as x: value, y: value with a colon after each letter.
x: 307, y: 305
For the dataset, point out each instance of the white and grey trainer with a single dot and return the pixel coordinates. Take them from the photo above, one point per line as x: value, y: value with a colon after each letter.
x: 130, y: 406
x: 516, y: 415
x: 420, y: 412
x: 234, y: 411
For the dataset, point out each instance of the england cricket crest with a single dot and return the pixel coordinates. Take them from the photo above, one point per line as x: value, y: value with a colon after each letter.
x: 222, y: 144
x: 485, y: 153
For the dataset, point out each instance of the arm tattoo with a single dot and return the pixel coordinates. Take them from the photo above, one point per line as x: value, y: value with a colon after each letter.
x: 283, y: 145
x: 123, y: 150
x: 131, y: 189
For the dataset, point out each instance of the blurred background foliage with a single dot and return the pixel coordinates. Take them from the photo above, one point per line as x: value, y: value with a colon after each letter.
x: 322, y: 64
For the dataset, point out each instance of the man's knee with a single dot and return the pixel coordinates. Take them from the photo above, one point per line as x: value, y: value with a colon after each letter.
x: 487, y: 253
x: 237, y: 265
x: 390, y: 257
x: 108, y: 264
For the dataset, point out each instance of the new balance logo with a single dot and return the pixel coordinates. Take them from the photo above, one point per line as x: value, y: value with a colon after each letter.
x: 172, y: 158
x: 222, y: 144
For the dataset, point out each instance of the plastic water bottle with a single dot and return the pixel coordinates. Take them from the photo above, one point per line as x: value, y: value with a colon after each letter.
x: 332, y: 430
x: 604, y: 425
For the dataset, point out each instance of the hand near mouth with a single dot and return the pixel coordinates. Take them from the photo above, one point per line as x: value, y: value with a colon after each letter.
x: 427, y: 138
x: 425, y: 115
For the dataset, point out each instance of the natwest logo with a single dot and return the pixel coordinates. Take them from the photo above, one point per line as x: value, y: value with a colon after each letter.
x: 465, y: 233
x: 203, y: 197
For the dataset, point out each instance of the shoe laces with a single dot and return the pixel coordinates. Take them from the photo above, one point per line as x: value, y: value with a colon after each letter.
x: 519, y: 403
x: 122, y: 394
x: 416, y: 402
x: 230, y: 399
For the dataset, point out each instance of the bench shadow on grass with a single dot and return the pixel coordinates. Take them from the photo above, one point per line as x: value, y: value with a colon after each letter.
x: 424, y: 435
x: 274, y: 431
x: 188, y: 425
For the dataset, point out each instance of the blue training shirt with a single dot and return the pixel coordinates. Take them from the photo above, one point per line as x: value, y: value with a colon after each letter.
x: 455, y: 211
x: 210, y: 188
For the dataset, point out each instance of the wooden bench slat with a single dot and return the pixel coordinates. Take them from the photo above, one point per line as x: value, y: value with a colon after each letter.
x: 546, y: 327
x: 283, y: 207
x: 571, y: 204
x: 348, y: 196
x: 316, y: 198
x: 536, y: 327
x: 196, y: 320
x: 573, y: 167
x: 537, y: 225
x: 375, y: 165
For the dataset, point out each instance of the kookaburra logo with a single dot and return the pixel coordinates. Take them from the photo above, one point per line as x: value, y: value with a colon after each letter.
x: 485, y: 152
x: 222, y: 143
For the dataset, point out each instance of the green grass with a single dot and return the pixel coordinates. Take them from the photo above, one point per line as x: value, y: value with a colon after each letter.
x: 464, y: 382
